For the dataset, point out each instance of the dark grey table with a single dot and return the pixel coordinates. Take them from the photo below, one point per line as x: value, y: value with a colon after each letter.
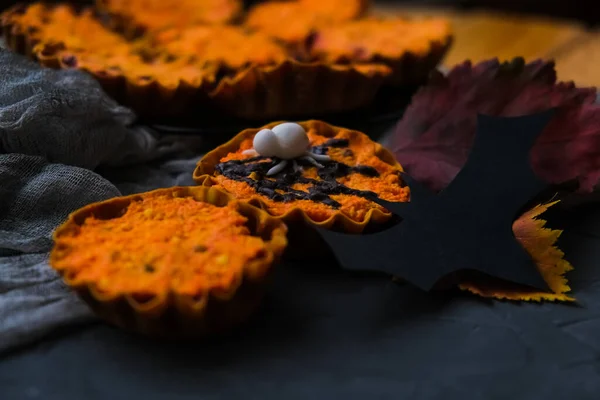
x: 327, y: 334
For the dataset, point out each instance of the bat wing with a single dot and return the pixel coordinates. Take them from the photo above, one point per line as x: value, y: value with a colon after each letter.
x: 363, y: 252
x: 418, y: 194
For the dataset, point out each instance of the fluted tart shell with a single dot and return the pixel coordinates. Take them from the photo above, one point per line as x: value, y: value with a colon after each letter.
x: 182, y: 262
x: 352, y: 151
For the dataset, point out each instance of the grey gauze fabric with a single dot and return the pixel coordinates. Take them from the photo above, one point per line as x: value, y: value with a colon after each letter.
x: 36, y: 196
x: 56, y: 127
x: 65, y: 117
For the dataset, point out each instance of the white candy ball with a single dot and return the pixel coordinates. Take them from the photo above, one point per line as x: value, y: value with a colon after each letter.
x: 293, y: 140
x: 266, y: 143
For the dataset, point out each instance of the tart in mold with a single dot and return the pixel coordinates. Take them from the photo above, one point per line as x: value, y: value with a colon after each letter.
x: 245, y: 71
x: 58, y: 36
x: 181, y: 262
x: 337, y: 194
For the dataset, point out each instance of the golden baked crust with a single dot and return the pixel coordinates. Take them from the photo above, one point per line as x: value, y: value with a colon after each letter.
x: 171, y: 261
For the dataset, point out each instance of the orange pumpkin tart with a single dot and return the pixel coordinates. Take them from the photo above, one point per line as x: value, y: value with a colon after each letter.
x: 288, y: 60
x: 178, y: 262
x: 325, y: 175
x: 410, y: 47
x: 60, y: 37
x: 133, y: 17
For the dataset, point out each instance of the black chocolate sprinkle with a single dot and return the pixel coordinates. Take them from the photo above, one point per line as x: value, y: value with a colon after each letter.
x: 149, y: 268
x: 322, y: 149
x: 279, y: 187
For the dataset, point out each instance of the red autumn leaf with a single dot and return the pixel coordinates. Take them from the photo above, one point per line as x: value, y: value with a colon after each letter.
x: 433, y: 139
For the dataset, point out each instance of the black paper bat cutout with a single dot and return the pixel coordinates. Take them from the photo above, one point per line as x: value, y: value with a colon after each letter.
x: 468, y: 225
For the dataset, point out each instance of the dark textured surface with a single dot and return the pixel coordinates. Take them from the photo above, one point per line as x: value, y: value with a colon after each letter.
x: 327, y: 334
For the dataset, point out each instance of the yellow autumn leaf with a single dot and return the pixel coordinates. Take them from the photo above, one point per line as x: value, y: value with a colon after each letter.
x: 540, y: 243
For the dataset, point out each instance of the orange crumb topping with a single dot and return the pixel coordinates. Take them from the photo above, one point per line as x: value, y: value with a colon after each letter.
x: 294, y: 21
x: 363, y: 152
x: 369, y: 38
x: 77, y: 32
x: 337, y: 10
x: 79, y: 40
x: 160, y: 14
x: 228, y: 45
x: 161, y: 244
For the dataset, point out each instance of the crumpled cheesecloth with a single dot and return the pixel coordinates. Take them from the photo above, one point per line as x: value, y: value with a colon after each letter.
x: 64, y: 144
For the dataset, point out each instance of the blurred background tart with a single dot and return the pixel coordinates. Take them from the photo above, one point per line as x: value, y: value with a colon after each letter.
x: 191, y: 60
x: 60, y: 36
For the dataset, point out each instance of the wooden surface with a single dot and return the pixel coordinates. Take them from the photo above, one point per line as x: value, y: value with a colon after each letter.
x: 484, y: 35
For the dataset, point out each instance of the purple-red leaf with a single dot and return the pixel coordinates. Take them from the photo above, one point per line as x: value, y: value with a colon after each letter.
x: 433, y: 139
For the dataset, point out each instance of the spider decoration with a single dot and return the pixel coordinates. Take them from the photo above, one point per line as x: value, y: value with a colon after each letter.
x: 286, y: 142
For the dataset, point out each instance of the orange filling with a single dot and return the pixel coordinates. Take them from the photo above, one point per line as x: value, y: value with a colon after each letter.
x: 366, y: 39
x: 77, y: 32
x: 161, y: 14
x: 294, y: 21
x: 224, y: 45
x: 363, y: 152
x: 337, y: 10
x: 80, y: 41
x: 161, y: 244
